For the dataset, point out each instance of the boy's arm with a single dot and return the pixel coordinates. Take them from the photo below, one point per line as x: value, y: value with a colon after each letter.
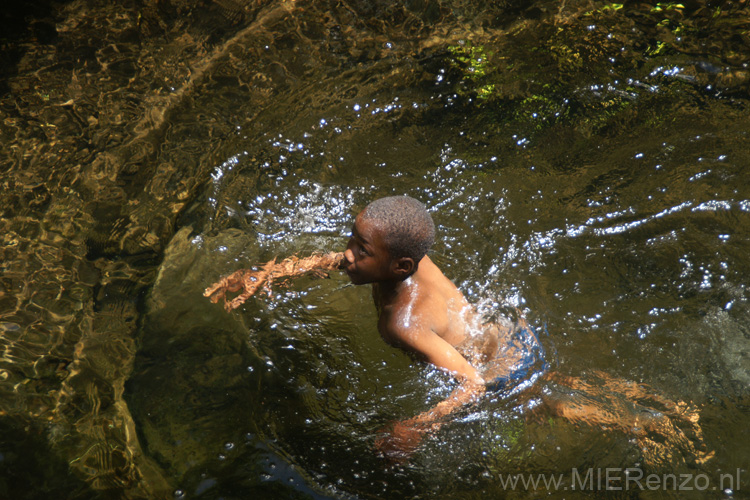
x: 405, y: 435
x: 249, y: 281
x: 440, y: 353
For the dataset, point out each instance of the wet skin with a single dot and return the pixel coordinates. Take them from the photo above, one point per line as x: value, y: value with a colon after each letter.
x: 422, y: 312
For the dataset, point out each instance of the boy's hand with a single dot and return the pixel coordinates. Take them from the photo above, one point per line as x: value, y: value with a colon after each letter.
x: 251, y: 281
x: 405, y: 436
x: 245, y: 279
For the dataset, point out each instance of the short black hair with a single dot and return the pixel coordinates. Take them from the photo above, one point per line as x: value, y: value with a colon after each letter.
x: 408, y: 230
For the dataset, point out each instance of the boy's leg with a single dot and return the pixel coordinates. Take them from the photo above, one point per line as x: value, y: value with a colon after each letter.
x: 658, y: 424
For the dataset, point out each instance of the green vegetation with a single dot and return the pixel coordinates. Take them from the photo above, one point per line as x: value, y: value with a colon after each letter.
x: 473, y: 62
x: 597, y: 68
x: 666, y: 6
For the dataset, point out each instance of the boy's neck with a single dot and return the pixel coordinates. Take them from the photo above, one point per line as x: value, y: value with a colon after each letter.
x: 387, y: 291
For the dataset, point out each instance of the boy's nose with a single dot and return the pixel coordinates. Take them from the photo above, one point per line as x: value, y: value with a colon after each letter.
x: 349, y: 255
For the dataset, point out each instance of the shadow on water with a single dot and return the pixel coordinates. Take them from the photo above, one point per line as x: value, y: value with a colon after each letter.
x: 24, y: 25
x: 583, y: 161
x: 30, y: 469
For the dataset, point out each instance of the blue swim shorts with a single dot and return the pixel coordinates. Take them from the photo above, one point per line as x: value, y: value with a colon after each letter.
x: 530, y: 366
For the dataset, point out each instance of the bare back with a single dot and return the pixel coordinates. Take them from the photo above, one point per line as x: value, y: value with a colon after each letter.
x: 425, y: 296
x: 429, y: 298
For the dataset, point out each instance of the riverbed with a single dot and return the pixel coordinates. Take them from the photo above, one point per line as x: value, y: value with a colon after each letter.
x: 585, y: 163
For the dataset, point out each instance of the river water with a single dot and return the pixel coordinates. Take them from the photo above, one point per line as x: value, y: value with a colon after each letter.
x: 585, y: 162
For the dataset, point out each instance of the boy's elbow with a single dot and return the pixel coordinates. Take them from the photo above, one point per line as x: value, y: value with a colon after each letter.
x: 474, y: 378
x: 473, y: 382
x: 477, y: 385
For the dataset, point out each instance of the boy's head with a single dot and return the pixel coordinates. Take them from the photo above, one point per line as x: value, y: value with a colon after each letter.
x: 389, y: 238
x: 405, y: 224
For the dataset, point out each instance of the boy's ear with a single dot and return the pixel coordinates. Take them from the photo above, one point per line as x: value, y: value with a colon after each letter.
x: 403, y: 266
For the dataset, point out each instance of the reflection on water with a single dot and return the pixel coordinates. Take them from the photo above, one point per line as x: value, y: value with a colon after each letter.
x: 584, y: 162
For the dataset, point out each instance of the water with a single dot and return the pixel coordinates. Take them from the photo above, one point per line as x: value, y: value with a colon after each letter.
x: 583, y: 162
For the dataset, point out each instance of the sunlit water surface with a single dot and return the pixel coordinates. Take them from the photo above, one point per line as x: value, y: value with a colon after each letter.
x: 613, y: 211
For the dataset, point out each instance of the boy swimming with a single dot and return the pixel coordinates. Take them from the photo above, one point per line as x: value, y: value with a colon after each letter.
x: 422, y: 312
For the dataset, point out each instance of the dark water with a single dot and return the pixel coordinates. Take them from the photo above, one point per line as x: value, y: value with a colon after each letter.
x: 585, y: 162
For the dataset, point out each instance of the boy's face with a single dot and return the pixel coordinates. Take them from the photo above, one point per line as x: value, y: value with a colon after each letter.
x: 367, y: 255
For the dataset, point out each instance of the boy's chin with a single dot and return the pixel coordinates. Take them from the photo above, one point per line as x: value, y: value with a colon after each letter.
x: 357, y: 279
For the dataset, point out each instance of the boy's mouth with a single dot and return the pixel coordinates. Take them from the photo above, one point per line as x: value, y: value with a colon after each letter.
x: 352, y: 274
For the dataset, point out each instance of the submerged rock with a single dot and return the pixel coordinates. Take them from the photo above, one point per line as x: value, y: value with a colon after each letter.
x: 192, y: 363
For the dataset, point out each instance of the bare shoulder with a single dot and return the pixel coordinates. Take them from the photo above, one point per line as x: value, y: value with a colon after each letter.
x: 439, y: 284
x: 423, y: 307
x: 404, y: 316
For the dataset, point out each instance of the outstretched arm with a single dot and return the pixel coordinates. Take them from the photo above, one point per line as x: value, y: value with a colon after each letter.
x: 250, y: 281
